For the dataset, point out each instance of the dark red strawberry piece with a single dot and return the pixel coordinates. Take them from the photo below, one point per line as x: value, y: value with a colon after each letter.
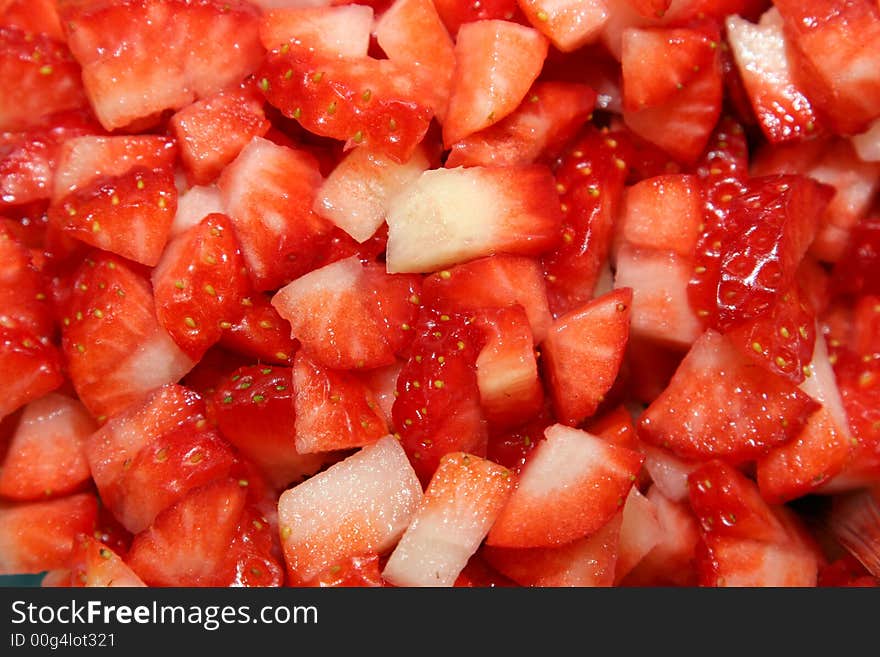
x: 261, y: 333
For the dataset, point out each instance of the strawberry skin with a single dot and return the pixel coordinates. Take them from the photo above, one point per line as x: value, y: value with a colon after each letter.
x: 31, y: 369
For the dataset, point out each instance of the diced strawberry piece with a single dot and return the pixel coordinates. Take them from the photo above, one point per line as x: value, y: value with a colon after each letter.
x: 30, y: 369
x: 357, y: 193
x: 549, y: 115
x: 211, y: 132
x: 261, y: 333
x: 650, y: 8
x: 39, y: 536
x: 334, y: 409
x: 854, y: 522
x: 590, y: 179
x: 858, y: 271
x: 661, y: 311
x: 720, y: 404
x: 411, y: 33
x: 360, y: 572
x: 198, y: 542
x: 734, y: 562
x: 859, y: 381
x: 199, y: 284
x: 34, y: 16
x: 349, y: 315
x: 342, y: 30
x: 588, y: 561
x: 46, y: 455
x: 616, y: 426
x: 511, y: 447
x: 341, y: 246
x: 671, y: 561
x: 664, y: 213
x: 478, y: 574
x: 683, y: 123
x: 99, y: 566
x: 782, y: 339
x: 499, y: 281
x: 253, y: 408
x: 668, y: 472
x: 205, y: 46
x: 496, y: 62
x: 115, y: 348
x: 583, y: 352
x: 24, y: 301
x: 569, y: 24
x: 762, y: 58
x: 450, y: 216
x: 373, y: 103
x: 835, y: 46
x: 507, y: 370
x: 193, y: 205
x: 456, y: 13
x: 727, y: 503
x: 437, y: 407
x: 268, y: 191
x: 461, y: 502
x: 39, y: 76
x: 640, y: 532
x: 572, y: 485
x: 357, y: 507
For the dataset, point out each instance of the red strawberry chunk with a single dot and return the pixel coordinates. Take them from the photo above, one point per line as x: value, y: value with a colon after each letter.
x: 859, y: 380
x: 211, y: 132
x: 334, y: 409
x: 268, y: 191
x: 549, y: 115
x: 35, y: 16
x: 39, y: 77
x: 30, y: 368
x: 116, y: 350
x: 720, y: 404
x: 583, y: 352
x: 734, y: 562
x: 261, y: 333
x: 496, y: 63
x: 96, y: 565
x: 253, y: 408
x: 46, y: 455
x: 858, y: 271
x: 583, y: 562
x: 762, y: 58
x: 456, y: 13
x: 199, y: 284
x: 39, y: 536
x: 350, y: 315
x: 362, y: 101
x: 437, y: 409
x: 357, y: 507
x: 569, y: 24
x: 499, y: 281
x: 571, y: 486
x: 511, y: 447
x: 24, y: 301
x: 206, y: 46
x: 590, y: 179
x: 461, y: 502
x: 361, y: 572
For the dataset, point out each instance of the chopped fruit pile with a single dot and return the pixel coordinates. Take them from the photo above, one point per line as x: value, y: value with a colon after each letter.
x: 440, y: 292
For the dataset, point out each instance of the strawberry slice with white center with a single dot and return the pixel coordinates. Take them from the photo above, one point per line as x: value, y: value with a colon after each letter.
x: 349, y: 315
x: 720, y: 404
x: 588, y: 561
x: 268, y: 191
x: 206, y: 45
x: 211, y: 537
x: 211, y: 132
x: 460, y: 504
x: 357, y: 193
x: 762, y: 58
x: 39, y: 536
x: 437, y: 406
x: 640, y: 532
x: 583, y: 352
x: 193, y: 205
x: 496, y: 62
x: 115, y: 348
x: 39, y: 76
x: 199, y: 284
x: 253, y: 408
x: 356, y: 507
x: 362, y: 101
x: 569, y: 24
x: 511, y: 391
x: 99, y: 566
x: 449, y: 216
x: 549, y: 116
x: 572, y: 485
x: 499, y: 281
x: 343, y: 30
x: 412, y: 34
x: 45, y: 456
x: 334, y: 409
